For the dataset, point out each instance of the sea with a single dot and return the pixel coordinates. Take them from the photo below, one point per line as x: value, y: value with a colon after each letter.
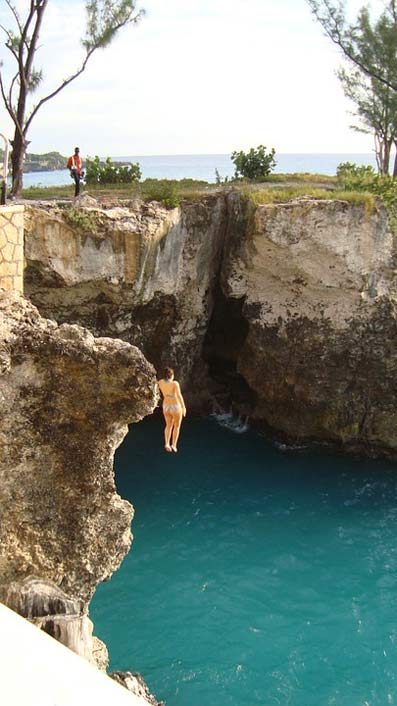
x: 203, y: 166
x: 259, y: 574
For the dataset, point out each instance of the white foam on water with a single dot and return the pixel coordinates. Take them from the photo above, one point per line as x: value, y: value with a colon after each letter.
x: 227, y: 420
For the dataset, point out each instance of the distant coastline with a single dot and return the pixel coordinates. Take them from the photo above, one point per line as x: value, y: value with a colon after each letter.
x: 203, y: 166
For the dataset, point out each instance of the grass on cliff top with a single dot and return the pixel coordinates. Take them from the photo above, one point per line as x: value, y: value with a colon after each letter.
x: 290, y: 192
x: 150, y: 189
x: 278, y: 188
x: 303, y: 177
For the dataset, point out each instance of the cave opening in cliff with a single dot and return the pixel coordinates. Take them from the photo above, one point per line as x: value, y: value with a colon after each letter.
x: 226, y: 334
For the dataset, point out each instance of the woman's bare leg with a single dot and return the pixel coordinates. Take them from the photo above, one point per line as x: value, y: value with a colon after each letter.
x: 177, y: 421
x: 169, y: 422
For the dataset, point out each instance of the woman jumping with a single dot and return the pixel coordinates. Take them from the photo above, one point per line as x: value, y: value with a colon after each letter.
x: 173, y: 409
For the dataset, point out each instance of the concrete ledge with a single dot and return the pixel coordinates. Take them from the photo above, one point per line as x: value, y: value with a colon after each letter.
x: 38, y: 670
x: 12, y: 208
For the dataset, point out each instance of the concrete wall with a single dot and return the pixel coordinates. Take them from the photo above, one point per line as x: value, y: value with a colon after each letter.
x: 38, y: 670
x: 11, y: 247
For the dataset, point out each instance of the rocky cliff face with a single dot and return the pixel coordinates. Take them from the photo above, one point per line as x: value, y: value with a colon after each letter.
x: 288, y: 310
x: 66, y: 400
x: 134, y: 271
x: 317, y: 285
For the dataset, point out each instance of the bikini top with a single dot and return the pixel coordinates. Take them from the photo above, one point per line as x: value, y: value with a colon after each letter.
x: 172, y: 397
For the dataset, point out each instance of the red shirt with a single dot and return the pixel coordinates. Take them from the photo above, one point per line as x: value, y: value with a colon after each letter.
x: 75, y: 162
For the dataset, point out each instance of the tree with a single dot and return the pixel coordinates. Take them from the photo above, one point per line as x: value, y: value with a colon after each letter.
x: 371, y: 82
x: 352, y: 38
x: 255, y: 164
x: 376, y: 109
x: 104, y: 20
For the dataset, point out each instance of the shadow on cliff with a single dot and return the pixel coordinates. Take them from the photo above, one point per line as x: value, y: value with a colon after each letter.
x: 225, y: 338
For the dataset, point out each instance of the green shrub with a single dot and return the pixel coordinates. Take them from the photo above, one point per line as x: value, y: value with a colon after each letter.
x: 109, y: 172
x: 162, y: 190
x: 81, y: 220
x: 352, y: 177
x: 255, y: 164
x: 188, y: 183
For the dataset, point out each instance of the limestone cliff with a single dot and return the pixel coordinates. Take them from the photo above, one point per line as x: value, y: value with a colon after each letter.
x: 288, y: 309
x: 138, y: 272
x: 317, y: 285
x: 66, y: 400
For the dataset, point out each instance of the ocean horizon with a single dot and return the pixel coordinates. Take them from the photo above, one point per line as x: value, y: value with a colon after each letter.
x: 204, y: 166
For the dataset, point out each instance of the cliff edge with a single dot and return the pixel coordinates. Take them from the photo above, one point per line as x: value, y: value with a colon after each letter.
x: 284, y: 311
x: 66, y: 400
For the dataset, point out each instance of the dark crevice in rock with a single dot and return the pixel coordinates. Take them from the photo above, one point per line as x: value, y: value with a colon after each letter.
x: 155, y: 320
x: 226, y: 334
x: 37, y: 274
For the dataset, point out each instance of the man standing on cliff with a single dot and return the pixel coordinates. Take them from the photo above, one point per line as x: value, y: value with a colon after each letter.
x: 75, y: 165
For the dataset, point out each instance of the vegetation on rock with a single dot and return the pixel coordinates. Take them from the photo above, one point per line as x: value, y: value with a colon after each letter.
x: 354, y: 178
x: 282, y: 194
x: 109, y: 172
x: 255, y: 164
x: 82, y: 220
x: 358, y: 185
x: 168, y: 192
x: 165, y: 191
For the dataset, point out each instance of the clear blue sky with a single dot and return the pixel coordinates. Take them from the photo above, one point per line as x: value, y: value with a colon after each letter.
x: 195, y: 76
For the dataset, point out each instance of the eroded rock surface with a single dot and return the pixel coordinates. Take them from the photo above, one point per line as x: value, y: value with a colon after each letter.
x: 135, y: 271
x: 43, y: 603
x: 65, y: 401
x: 136, y: 685
x: 289, y: 307
x: 317, y: 285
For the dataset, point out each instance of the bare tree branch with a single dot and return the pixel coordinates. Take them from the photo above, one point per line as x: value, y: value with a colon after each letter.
x: 334, y: 25
x: 24, y: 43
x: 59, y: 89
x: 12, y: 84
x: 8, y: 105
x: 9, y: 44
x: 104, y: 20
x: 34, y: 39
x: 15, y: 14
x: 393, y: 10
x: 64, y: 83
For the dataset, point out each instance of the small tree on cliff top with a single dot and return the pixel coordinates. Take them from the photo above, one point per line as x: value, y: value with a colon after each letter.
x: 104, y: 20
x: 255, y: 164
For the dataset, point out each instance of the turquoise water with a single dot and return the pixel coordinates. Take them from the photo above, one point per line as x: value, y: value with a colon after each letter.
x: 202, y: 166
x: 255, y: 576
